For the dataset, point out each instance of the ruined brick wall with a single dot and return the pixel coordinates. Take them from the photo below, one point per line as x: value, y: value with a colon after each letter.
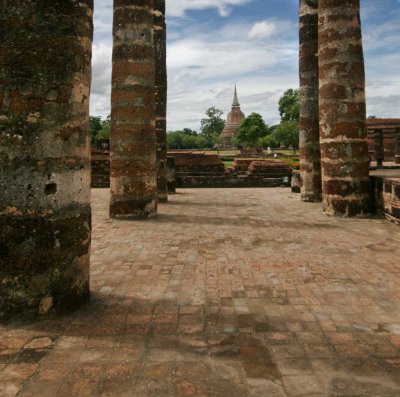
x: 386, y: 195
x: 100, y: 168
x: 190, y: 162
x: 45, y: 217
x: 388, y: 127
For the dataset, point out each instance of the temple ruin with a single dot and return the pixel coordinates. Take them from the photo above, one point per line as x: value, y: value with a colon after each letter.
x: 227, y: 292
x: 46, y: 151
x: 234, y: 119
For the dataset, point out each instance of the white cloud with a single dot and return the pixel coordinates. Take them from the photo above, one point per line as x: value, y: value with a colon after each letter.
x: 178, y: 8
x: 101, y: 79
x: 203, y: 67
x: 261, y: 30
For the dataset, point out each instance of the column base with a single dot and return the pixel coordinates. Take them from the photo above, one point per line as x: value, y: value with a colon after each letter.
x: 133, y: 209
x: 44, y: 264
x: 311, y: 197
x: 347, y: 208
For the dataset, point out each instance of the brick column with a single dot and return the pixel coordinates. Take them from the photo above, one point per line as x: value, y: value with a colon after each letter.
x: 161, y: 98
x: 378, y: 147
x: 343, y: 133
x: 310, y: 151
x: 132, y: 137
x: 397, y: 152
x: 45, y: 75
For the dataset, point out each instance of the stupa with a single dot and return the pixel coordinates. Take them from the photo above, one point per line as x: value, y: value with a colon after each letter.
x: 235, y: 117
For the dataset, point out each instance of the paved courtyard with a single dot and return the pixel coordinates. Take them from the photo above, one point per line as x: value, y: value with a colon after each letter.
x: 228, y: 293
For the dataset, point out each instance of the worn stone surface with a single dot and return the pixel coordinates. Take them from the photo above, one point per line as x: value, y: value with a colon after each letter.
x: 216, y: 297
x: 132, y: 136
x: 45, y: 74
x: 310, y: 151
x: 160, y: 43
x: 343, y: 135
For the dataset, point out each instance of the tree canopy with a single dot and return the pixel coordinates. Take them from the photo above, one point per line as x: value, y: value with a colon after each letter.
x: 252, y: 129
x: 99, y: 128
x: 212, y: 125
x: 185, y: 139
x: 287, y: 134
x: 289, y: 105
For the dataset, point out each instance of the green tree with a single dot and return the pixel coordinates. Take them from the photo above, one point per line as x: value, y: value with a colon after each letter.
x: 212, y: 125
x: 287, y: 134
x: 175, y: 139
x: 104, y: 133
x: 189, y: 131
x: 269, y: 141
x: 201, y: 142
x: 95, y: 126
x: 289, y: 105
x: 252, y: 129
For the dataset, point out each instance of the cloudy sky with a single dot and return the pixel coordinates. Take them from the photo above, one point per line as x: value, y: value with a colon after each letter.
x: 214, y: 43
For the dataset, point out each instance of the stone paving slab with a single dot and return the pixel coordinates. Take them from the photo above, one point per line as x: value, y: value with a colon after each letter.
x: 245, y: 292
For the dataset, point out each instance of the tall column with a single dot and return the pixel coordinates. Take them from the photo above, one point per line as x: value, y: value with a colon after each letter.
x: 310, y: 151
x: 132, y: 137
x: 161, y: 98
x: 397, y: 148
x: 343, y: 133
x: 45, y: 219
x: 378, y: 147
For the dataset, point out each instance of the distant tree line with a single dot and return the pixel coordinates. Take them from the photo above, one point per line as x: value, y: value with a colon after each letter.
x: 211, y: 127
x: 253, y: 130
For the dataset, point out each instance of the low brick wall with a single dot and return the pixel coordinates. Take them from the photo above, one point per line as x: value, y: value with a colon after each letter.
x: 190, y: 162
x: 386, y: 195
x: 230, y: 181
x: 244, y: 173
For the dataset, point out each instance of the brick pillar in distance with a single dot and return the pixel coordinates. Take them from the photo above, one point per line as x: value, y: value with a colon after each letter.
x: 378, y: 147
x: 343, y: 133
x: 45, y: 217
x: 132, y: 136
x: 310, y: 151
x: 397, y: 148
x: 160, y: 43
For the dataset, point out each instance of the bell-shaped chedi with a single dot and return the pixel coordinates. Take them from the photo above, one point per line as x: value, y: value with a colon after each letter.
x: 235, y: 118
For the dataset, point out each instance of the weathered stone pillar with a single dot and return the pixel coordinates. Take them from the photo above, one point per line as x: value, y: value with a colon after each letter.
x: 161, y: 98
x: 310, y: 151
x: 132, y: 137
x: 378, y: 147
x: 397, y: 149
x: 343, y: 133
x: 45, y: 76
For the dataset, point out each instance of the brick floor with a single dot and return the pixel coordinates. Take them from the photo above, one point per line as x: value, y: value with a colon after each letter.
x: 246, y: 293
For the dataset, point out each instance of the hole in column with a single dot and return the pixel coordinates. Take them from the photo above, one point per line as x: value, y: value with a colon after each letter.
x: 51, y: 188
